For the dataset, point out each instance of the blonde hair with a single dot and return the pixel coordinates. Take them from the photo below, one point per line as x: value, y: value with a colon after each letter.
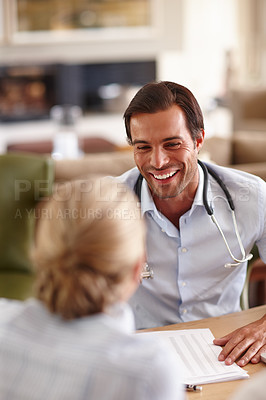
x: 89, y: 238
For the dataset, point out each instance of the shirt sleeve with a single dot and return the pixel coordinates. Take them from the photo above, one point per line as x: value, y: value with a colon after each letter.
x: 261, y: 243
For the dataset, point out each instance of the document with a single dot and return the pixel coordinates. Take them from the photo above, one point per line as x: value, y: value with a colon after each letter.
x: 198, y: 356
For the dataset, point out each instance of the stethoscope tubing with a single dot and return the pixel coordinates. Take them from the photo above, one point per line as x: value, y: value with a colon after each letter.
x: 209, y: 210
x: 206, y: 171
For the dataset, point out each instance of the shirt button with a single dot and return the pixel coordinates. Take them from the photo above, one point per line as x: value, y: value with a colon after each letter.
x: 183, y: 284
x: 185, y: 311
x: 184, y: 249
x: 163, y: 230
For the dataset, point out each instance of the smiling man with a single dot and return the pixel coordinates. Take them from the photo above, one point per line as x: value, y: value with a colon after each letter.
x: 195, y: 276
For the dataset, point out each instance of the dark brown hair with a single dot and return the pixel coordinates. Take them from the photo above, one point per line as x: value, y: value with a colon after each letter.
x: 159, y: 96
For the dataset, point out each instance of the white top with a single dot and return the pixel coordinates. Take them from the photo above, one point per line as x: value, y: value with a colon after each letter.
x: 254, y: 389
x: 190, y: 280
x: 96, y: 357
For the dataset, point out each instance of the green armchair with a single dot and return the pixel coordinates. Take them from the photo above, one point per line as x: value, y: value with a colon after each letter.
x: 25, y: 180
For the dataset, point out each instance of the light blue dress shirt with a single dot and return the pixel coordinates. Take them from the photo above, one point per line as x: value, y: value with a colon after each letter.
x: 190, y: 280
x: 91, y: 358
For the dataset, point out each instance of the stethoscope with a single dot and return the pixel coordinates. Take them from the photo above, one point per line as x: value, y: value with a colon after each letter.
x: 148, y: 272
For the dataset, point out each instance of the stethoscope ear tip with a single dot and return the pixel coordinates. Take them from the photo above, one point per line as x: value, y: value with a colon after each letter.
x: 228, y: 265
x: 232, y: 265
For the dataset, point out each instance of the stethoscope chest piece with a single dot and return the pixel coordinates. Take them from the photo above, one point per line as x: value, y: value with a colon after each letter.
x: 147, y: 272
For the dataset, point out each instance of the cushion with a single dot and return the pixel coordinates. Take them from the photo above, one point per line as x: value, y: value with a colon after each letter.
x: 111, y: 163
x: 25, y: 179
x: 249, y: 147
x: 217, y: 149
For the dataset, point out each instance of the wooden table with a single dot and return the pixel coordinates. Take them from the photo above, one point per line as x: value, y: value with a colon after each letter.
x: 220, y: 326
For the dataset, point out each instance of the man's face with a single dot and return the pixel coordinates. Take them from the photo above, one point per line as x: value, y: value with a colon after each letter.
x: 165, y: 153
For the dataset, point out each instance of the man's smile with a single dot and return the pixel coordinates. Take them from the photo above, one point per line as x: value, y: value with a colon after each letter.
x: 163, y: 176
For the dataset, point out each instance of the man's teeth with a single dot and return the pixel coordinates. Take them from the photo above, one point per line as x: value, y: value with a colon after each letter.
x: 165, y: 176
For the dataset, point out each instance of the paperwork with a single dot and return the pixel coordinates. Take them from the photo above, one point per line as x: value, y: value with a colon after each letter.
x: 198, y: 356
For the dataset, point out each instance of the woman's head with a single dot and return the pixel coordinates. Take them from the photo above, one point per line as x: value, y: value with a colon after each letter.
x: 89, y: 244
x: 160, y: 96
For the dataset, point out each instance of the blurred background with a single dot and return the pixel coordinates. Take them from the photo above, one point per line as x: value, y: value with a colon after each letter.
x: 95, y: 54
x: 68, y: 69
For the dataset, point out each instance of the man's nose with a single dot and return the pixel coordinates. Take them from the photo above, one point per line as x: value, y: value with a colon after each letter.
x: 159, y: 158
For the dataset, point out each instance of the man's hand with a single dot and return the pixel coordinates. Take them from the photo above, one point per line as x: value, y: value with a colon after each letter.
x: 247, y: 342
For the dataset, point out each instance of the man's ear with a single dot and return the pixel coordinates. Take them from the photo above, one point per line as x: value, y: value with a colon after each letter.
x: 200, y: 140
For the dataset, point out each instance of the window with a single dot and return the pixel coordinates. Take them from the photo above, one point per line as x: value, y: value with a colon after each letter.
x: 87, y: 30
x: 32, y: 21
x: 58, y: 15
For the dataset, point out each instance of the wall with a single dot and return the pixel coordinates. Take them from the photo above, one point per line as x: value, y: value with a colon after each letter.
x: 208, y: 45
x: 209, y: 31
x: 209, y: 39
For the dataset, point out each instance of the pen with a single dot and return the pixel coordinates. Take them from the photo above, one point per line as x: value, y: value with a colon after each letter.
x: 193, y: 388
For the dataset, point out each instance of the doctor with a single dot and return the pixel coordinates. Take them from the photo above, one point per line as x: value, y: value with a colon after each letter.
x: 199, y: 266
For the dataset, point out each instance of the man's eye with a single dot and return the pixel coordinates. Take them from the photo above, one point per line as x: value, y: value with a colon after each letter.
x: 173, y: 144
x: 143, y: 147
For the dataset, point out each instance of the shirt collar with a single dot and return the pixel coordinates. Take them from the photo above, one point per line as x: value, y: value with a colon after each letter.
x: 118, y: 315
x: 198, y: 199
x: 147, y: 203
